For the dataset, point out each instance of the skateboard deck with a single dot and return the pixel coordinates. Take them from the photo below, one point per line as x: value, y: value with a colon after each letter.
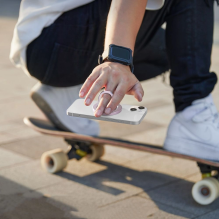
x: 204, y: 192
x: 45, y: 127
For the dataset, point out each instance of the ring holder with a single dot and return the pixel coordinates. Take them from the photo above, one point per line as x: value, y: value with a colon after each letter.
x: 115, y: 112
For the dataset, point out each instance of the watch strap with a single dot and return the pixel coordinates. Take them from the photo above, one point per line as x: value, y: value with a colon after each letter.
x: 104, y: 57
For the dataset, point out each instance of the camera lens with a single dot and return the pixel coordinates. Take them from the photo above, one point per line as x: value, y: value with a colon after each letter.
x: 140, y: 107
x: 133, y: 109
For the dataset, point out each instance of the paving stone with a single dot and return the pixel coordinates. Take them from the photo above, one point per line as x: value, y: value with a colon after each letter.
x: 18, y: 207
x: 9, y: 158
x: 83, y: 168
x: 19, y: 202
x: 161, y: 115
x: 7, y: 126
x: 29, y: 175
x: 18, y: 110
x: 34, y: 147
x: 96, y: 192
x: 137, y: 207
x: 171, y: 166
x: 211, y: 215
x: 178, y: 195
x: 6, y: 137
x: 118, y: 175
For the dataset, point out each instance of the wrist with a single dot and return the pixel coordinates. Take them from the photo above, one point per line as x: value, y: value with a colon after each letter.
x: 117, y: 65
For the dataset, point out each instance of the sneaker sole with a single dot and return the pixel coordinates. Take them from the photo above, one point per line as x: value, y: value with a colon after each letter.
x: 47, y: 110
x: 191, y: 148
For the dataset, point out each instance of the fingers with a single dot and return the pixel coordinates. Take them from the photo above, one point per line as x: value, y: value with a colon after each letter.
x: 102, y: 104
x: 116, y: 99
x: 137, y: 91
x: 89, y: 82
x: 105, y: 99
x: 95, y: 88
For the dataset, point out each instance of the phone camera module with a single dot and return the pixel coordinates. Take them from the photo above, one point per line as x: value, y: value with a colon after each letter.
x: 133, y: 109
x: 141, y: 107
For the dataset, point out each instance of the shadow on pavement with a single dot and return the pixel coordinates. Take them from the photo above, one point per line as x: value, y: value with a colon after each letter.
x: 164, y: 190
x: 17, y: 201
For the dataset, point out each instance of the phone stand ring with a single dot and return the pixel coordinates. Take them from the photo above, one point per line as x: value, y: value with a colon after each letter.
x: 116, y: 111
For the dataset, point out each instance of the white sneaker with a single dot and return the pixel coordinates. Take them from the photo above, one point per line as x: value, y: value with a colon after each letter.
x: 54, y: 101
x: 195, y: 131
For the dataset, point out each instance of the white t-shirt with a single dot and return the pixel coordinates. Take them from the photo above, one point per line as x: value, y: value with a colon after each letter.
x: 37, y: 14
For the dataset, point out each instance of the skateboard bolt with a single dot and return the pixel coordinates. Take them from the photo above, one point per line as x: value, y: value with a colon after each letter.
x: 205, y: 191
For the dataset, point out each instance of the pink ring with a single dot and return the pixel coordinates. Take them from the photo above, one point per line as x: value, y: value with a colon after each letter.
x: 116, y: 111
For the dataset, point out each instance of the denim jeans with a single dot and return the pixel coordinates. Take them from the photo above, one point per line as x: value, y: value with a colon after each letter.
x: 67, y: 51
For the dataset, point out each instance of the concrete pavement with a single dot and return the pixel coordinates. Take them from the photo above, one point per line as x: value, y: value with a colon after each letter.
x: 123, y: 184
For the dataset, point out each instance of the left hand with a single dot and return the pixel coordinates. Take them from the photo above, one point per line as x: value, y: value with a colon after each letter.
x: 116, y: 78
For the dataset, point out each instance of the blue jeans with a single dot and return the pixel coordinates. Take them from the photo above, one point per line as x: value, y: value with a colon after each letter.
x: 66, y: 52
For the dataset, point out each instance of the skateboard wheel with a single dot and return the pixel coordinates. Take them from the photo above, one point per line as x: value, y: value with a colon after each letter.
x: 54, y: 161
x: 206, y: 191
x: 97, y: 151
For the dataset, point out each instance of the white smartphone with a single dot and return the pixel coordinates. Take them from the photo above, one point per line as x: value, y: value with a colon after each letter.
x: 129, y: 115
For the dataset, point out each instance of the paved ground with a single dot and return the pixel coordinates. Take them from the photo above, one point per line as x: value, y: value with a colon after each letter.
x: 124, y: 184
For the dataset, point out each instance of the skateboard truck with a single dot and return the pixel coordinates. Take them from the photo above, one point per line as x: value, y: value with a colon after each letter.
x: 78, y: 149
x: 208, y: 171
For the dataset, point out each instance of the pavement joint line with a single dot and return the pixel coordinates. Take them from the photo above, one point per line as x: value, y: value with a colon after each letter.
x: 196, y: 217
x: 169, y: 206
x: 58, y: 183
x: 17, y: 164
x: 17, y: 140
x: 168, y: 183
x: 165, y: 184
x: 113, y: 202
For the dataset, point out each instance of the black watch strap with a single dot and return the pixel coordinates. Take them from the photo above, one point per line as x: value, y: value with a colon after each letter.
x: 104, y: 57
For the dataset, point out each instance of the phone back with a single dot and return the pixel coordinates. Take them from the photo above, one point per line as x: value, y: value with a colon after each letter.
x: 126, y: 116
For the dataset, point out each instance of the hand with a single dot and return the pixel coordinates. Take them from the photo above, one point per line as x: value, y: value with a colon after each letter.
x: 116, y: 78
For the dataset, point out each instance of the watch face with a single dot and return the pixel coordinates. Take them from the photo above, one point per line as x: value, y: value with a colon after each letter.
x: 121, y: 53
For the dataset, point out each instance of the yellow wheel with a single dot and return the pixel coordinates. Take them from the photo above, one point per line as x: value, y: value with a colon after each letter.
x: 206, y: 191
x: 97, y: 151
x: 54, y: 161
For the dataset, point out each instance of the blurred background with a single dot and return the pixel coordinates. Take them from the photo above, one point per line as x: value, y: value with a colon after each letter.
x: 145, y: 185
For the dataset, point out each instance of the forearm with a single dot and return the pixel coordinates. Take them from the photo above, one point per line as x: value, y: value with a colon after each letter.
x: 124, y: 21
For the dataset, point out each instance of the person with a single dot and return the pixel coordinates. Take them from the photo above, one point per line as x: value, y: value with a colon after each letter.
x: 59, y: 43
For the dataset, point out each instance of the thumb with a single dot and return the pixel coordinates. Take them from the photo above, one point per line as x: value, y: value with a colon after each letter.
x: 137, y: 91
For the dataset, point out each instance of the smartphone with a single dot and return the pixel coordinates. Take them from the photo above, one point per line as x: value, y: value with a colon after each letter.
x: 129, y: 114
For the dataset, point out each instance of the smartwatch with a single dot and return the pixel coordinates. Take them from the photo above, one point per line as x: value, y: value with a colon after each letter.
x: 118, y: 54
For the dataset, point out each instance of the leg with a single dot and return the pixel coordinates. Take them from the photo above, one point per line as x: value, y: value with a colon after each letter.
x: 194, y: 130
x: 189, y: 37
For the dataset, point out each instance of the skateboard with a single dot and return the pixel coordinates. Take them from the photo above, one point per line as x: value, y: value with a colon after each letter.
x: 204, y: 192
